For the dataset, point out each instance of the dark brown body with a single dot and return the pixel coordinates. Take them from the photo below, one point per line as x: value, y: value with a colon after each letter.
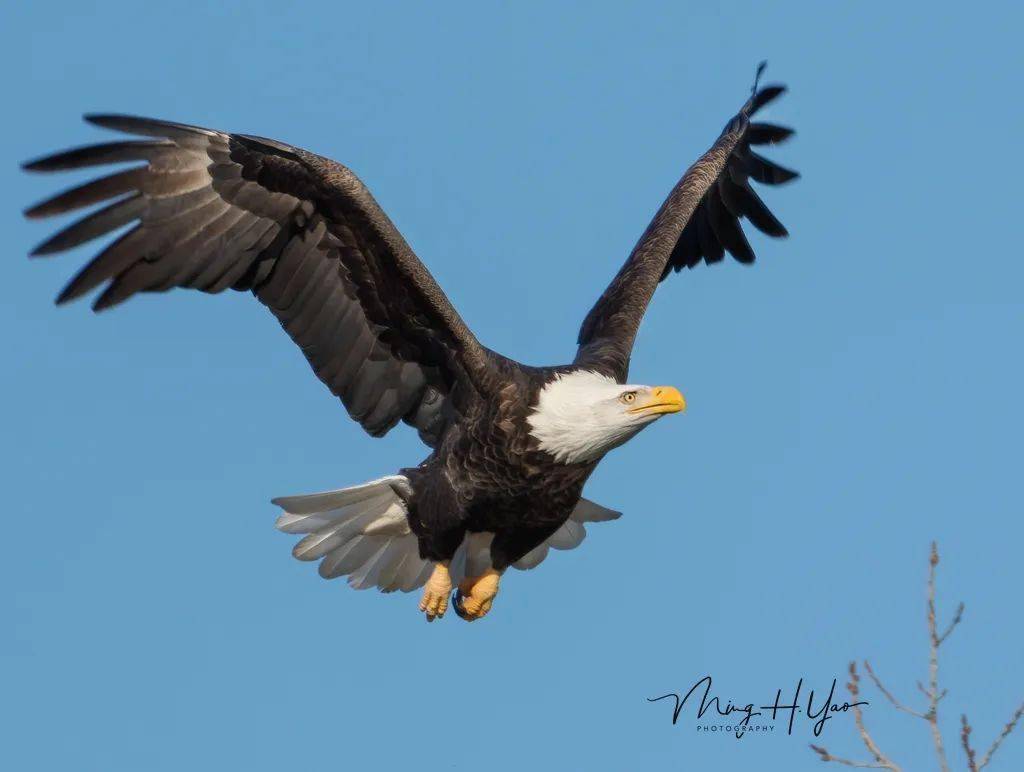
x: 488, y: 475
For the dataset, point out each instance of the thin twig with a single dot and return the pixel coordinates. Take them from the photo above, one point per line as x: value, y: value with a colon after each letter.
x: 826, y: 756
x: 888, y: 695
x: 965, y: 740
x: 1011, y: 724
x: 933, y: 664
x: 956, y: 620
x: 881, y: 760
x: 920, y: 688
x: 858, y: 718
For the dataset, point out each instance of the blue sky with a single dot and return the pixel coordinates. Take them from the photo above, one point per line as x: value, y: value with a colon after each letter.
x: 852, y: 396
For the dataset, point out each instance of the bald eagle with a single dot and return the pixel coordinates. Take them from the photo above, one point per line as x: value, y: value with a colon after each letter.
x: 511, y: 445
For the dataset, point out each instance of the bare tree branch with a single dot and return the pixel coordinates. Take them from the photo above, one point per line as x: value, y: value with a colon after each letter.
x: 920, y: 688
x: 881, y: 760
x: 858, y: 718
x: 965, y: 740
x: 826, y: 756
x: 932, y: 716
x: 932, y: 694
x: 1010, y: 726
x: 956, y: 620
x: 888, y: 695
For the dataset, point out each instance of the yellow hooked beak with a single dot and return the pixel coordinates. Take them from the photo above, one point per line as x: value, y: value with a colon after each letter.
x: 661, y: 399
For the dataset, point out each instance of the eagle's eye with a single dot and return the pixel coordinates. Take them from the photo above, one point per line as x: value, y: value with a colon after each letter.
x: 628, y: 398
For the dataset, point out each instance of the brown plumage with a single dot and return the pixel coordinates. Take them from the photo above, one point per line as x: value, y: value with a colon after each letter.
x: 210, y: 210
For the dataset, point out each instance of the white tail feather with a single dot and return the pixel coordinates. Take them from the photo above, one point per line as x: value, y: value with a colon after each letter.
x: 533, y: 558
x: 588, y: 512
x: 314, y: 503
x: 392, y: 522
x: 364, y: 532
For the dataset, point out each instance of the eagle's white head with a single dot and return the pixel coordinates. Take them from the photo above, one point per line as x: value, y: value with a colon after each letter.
x: 581, y: 415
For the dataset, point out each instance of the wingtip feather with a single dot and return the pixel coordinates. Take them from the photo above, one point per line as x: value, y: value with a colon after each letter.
x: 104, y: 119
x: 46, y: 248
x: 111, y: 297
x: 35, y: 165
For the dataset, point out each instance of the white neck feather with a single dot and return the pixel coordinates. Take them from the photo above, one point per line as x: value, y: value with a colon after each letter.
x: 578, y: 417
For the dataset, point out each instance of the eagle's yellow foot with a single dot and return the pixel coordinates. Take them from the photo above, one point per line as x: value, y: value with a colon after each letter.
x: 435, y: 593
x: 476, y: 594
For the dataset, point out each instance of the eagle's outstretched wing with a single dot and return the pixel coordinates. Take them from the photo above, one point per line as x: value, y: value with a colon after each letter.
x: 700, y: 220
x: 213, y: 211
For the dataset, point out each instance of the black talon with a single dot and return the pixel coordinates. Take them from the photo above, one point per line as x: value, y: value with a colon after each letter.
x: 457, y: 605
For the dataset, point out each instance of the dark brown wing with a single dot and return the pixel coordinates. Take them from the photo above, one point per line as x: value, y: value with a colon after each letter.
x: 213, y: 211
x: 699, y: 221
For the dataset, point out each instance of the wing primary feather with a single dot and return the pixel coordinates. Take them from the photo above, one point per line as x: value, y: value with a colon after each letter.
x: 768, y: 172
x: 90, y: 193
x: 758, y: 213
x: 147, y: 127
x: 97, y: 155
x: 727, y: 228
x: 763, y: 97
x: 157, y: 270
x: 711, y: 248
x: 91, y: 226
x: 115, y: 258
x: 730, y: 198
x: 768, y: 134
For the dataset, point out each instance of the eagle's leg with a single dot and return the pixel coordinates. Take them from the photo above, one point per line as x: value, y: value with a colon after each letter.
x: 476, y: 594
x: 435, y: 593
